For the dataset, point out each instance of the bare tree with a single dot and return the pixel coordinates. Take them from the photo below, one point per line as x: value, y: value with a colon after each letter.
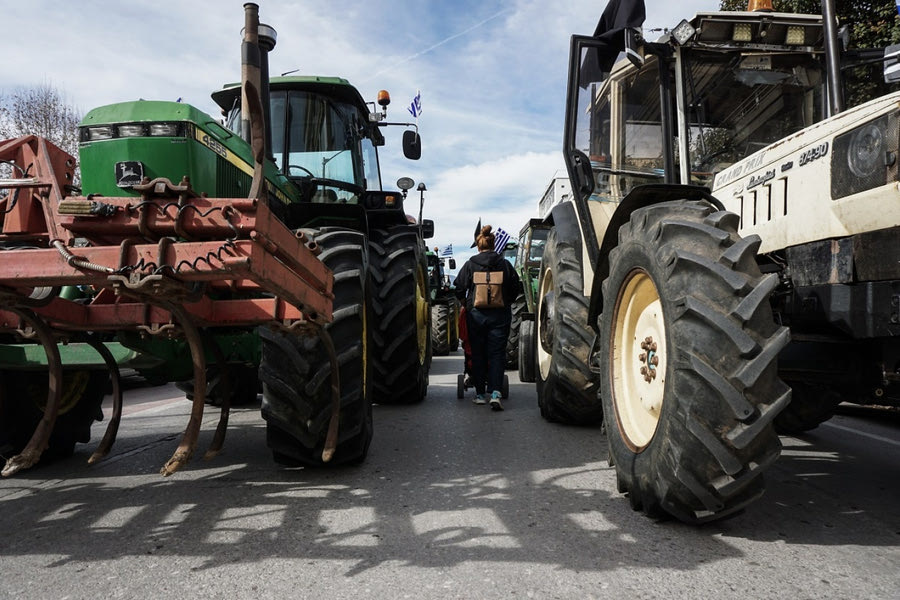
x: 40, y: 110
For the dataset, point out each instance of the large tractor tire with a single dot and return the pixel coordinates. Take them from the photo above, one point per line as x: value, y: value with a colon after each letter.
x: 566, y: 388
x: 401, y: 335
x: 440, y: 329
x: 512, y: 342
x: 22, y: 400
x: 296, y: 370
x: 688, y: 357
x: 811, y: 405
x: 526, y: 352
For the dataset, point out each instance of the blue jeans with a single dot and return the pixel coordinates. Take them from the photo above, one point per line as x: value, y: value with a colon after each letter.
x: 488, y: 333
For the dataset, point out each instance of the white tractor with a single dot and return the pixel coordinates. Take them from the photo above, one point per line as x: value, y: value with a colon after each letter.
x: 732, y: 228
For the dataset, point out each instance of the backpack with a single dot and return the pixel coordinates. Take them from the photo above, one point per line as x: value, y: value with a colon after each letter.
x: 488, y: 289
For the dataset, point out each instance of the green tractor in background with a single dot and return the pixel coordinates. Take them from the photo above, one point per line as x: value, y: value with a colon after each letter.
x: 532, y: 238
x: 444, y: 307
x: 511, y: 253
x: 323, y: 182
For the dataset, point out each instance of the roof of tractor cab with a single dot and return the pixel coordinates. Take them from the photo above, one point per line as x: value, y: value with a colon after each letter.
x: 784, y: 31
x: 334, y: 87
x: 761, y: 33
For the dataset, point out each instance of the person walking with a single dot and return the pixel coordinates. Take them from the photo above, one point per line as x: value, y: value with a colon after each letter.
x: 488, y: 314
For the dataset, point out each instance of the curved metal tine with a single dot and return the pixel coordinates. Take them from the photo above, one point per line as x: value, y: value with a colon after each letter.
x: 221, y: 429
x: 40, y: 439
x: 192, y: 432
x: 112, y: 428
x: 331, y: 437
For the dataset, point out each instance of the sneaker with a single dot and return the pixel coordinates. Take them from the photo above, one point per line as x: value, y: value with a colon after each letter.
x: 478, y: 399
x: 495, y: 401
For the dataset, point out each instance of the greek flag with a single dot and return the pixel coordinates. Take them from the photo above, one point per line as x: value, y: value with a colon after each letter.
x: 500, y: 239
x: 415, y: 107
x: 447, y: 250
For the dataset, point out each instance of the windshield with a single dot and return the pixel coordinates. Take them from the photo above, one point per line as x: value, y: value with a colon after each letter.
x: 317, y: 138
x: 740, y: 103
x: 509, y: 253
x: 536, y: 248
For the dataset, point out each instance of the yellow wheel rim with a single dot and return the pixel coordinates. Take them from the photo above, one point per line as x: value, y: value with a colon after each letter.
x: 543, y: 355
x: 638, y: 359
x: 422, y: 319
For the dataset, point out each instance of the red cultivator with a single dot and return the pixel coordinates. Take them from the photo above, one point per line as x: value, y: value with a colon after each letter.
x: 169, y: 262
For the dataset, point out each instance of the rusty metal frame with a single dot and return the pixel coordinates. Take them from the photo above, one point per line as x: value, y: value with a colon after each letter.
x: 156, y: 263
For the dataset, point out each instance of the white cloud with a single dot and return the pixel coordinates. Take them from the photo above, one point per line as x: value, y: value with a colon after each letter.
x: 492, y: 76
x: 503, y: 193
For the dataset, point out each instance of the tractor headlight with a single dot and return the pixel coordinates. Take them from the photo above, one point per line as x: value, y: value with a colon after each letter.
x: 866, y: 151
x: 134, y: 130
x: 865, y: 157
x: 90, y: 134
x: 131, y: 130
x: 166, y: 130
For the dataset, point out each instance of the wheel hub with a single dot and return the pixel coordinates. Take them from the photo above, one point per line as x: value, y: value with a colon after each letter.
x: 649, y: 361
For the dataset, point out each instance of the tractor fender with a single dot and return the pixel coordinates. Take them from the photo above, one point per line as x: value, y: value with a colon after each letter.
x: 639, y: 197
x: 564, y: 218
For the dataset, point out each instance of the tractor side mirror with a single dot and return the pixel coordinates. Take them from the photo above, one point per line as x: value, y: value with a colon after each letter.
x: 452, y: 263
x: 412, y: 145
x: 584, y: 175
x: 427, y: 228
x: 634, y: 46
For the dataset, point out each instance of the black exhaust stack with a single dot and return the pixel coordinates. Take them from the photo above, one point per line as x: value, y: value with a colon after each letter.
x: 253, y: 110
x: 832, y: 59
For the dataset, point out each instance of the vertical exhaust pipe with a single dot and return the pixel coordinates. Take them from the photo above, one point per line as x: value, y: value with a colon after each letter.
x: 252, y: 117
x: 832, y: 59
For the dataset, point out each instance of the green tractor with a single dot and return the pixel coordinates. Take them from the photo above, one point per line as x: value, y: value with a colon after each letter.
x: 511, y: 253
x: 444, y: 307
x: 532, y: 238
x: 323, y: 181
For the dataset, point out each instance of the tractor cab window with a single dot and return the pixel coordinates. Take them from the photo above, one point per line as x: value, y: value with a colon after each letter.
x: 536, y: 249
x: 618, y: 126
x: 509, y: 253
x: 316, y: 142
x: 370, y: 165
x: 741, y: 103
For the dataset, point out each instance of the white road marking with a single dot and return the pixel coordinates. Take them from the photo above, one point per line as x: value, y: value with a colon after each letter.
x: 863, y: 434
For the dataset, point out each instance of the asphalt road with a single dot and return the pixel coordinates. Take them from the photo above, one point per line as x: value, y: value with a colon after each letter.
x: 454, y: 501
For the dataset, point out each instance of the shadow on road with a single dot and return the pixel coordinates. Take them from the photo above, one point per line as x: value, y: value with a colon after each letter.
x: 445, y: 482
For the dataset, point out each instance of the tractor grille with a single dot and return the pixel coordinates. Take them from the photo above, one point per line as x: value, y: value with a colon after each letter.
x: 231, y: 182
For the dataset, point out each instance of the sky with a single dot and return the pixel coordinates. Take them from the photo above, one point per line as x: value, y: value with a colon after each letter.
x: 492, y: 77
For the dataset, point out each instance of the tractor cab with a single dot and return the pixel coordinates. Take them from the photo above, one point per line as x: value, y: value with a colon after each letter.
x: 323, y: 137
x: 712, y: 91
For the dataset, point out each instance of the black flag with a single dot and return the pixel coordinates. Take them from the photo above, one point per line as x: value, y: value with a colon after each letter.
x: 618, y: 16
x: 477, y: 231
